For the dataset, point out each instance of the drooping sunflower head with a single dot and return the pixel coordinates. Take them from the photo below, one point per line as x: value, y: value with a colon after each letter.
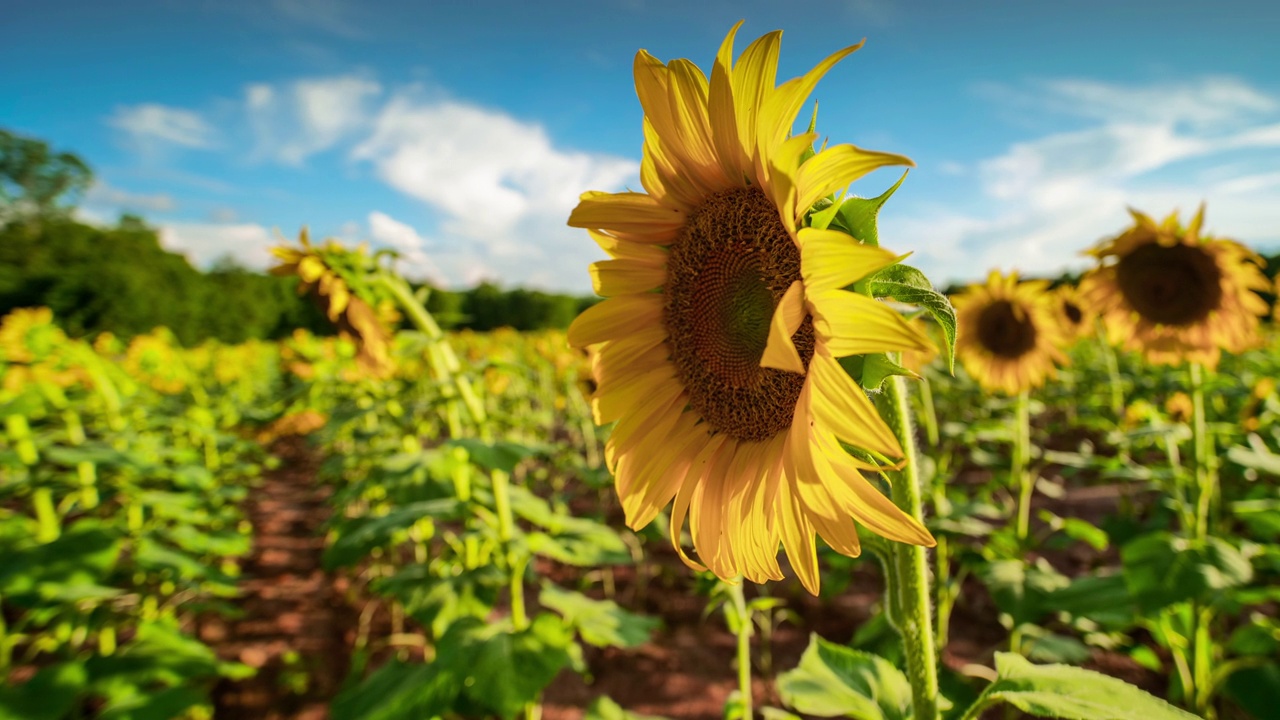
x: 1167, y: 291
x: 325, y: 274
x: 1009, y: 334
x: 1075, y: 317
x: 716, y: 349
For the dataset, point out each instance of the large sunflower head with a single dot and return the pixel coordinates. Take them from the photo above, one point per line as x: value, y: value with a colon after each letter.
x: 1164, y: 290
x: 1009, y: 335
x: 718, y: 346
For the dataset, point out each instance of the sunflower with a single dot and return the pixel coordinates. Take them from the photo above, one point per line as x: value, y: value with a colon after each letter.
x: 717, y: 346
x: 1175, y: 296
x: 1008, y: 333
x: 1074, y: 316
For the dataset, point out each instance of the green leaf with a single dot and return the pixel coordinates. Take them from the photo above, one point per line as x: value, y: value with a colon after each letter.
x: 877, y: 367
x: 1105, y: 599
x: 50, y: 695
x: 438, y: 602
x: 510, y: 669
x: 908, y: 285
x: 836, y: 681
x: 1257, y: 456
x: 358, y: 536
x: 1255, y: 689
x: 162, y: 705
x: 1022, y: 590
x: 399, y: 690
x: 75, y: 565
x: 857, y: 216
x: 1072, y: 693
x: 600, y: 622
x: 1161, y: 569
x: 501, y: 455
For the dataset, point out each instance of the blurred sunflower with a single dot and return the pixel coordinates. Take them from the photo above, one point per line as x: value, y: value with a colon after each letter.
x: 1074, y: 316
x: 717, y: 344
x: 1173, y: 295
x: 353, y: 317
x: 1008, y: 335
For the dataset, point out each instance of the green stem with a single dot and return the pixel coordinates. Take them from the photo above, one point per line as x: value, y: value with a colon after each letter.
x: 506, y: 531
x: 744, y: 647
x: 1203, y: 448
x: 1021, y: 455
x: 1113, y: 375
x: 930, y: 412
x: 908, y: 580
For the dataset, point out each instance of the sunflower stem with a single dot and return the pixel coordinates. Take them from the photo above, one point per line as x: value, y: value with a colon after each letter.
x: 1203, y: 448
x: 908, y: 579
x: 1021, y: 456
x: 744, y: 646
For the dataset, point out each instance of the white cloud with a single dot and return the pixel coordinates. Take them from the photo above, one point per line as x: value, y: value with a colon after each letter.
x: 103, y: 194
x: 1157, y: 149
x: 309, y: 116
x: 206, y: 243
x: 150, y: 124
x: 502, y: 189
x: 414, y: 260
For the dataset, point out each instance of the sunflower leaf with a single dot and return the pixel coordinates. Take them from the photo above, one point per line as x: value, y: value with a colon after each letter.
x: 906, y: 284
x: 857, y: 216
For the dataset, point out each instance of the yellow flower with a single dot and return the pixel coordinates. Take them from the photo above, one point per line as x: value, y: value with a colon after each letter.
x: 1073, y: 314
x: 717, y: 345
x: 1179, y: 407
x: 1175, y: 296
x: 1008, y: 333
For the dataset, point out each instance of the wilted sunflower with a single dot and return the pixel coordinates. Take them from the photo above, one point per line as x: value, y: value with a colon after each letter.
x: 1074, y: 315
x: 717, y: 344
x: 353, y: 317
x: 1173, y: 295
x: 1008, y: 333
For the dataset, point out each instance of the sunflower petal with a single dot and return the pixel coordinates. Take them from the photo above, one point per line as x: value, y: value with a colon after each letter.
x: 724, y: 125
x: 835, y: 168
x: 853, y: 324
x: 621, y: 277
x: 754, y: 78
x: 680, y: 507
x: 687, y: 89
x: 778, y: 112
x: 830, y: 259
x: 615, y: 318
x: 627, y: 212
x: 843, y: 408
x: 797, y: 539
x: 780, y: 352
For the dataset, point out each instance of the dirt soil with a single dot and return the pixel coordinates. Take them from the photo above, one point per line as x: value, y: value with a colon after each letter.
x: 296, y: 627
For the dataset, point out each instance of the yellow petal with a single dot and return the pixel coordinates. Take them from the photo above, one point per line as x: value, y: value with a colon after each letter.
x: 830, y: 259
x: 853, y: 324
x: 797, y: 539
x: 724, y: 124
x: 843, y: 408
x: 872, y: 508
x: 615, y: 318
x: 780, y: 178
x: 683, y: 443
x: 687, y: 89
x: 754, y: 78
x: 778, y: 113
x: 617, y: 399
x: 617, y: 248
x: 620, y: 277
x: 627, y: 212
x: 835, y: 168
x: 680, y: 507
x: 779, y: 351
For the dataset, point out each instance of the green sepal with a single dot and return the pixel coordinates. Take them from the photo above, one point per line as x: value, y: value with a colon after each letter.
x: 857, y: 216
x: 908, y: 285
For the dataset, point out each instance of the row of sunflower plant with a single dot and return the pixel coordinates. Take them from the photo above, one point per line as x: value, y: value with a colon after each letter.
x: 753, y: 354
x: 453, y: 477
x: 120, y: 484
x: 1197, y: 538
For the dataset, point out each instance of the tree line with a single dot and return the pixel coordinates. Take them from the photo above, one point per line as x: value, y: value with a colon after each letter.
x: 119, y: 279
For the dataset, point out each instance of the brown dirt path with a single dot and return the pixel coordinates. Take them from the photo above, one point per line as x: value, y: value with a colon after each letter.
x: 295, y: 622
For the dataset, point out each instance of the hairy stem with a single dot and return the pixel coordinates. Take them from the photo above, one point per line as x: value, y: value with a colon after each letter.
x: 1021, y: 476
x: 744, y: 647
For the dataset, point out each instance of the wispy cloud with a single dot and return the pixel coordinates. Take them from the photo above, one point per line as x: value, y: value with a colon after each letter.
x: 335, y: 17
x: 102, y: 194
x: 1157, y: 148
x: 151, y: 125
x: 294, y: 121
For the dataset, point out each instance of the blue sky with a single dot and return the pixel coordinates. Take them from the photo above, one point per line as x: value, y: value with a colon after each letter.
x: 461, y: 133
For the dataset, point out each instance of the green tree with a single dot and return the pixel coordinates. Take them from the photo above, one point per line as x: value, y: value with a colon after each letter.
x: 36, y: 182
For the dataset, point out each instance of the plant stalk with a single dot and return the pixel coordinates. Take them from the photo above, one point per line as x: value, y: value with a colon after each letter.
x: 744, y: 647
x: 908, y: 578
x: 1021, y: 457
x: 1203, y: 449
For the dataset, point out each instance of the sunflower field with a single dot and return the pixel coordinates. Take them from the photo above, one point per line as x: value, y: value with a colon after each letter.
x: 1033, y: 499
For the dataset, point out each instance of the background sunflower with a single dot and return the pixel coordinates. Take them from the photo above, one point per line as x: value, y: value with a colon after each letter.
x: 1165, y: 291
x: 1009, y: 333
